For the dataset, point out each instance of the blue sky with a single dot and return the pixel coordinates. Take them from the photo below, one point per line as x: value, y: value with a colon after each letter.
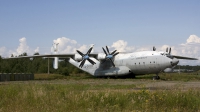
x: 139, y: 23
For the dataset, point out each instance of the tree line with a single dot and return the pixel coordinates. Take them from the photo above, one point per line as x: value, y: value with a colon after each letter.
x: 36, y: 65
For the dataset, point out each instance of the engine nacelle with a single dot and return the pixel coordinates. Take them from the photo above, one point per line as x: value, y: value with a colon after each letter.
x: 114, y: 71
x: 101, y: 56
x: 55, y: 63
x: 78, y: 57
x: 168, y: 70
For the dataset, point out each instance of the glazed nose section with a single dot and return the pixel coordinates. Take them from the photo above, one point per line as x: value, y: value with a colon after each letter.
x: 174, y: 61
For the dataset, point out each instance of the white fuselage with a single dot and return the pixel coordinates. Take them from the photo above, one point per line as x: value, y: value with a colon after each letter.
x: 145, y: 62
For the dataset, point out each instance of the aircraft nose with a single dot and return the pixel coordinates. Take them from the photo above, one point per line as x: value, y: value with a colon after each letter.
x: 174, y: 61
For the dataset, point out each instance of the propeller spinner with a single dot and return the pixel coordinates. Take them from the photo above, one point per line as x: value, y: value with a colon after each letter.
x: 110, y: 56
x: 85, y: 57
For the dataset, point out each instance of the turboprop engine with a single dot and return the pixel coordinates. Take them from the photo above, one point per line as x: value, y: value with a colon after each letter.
x: 169, y: 70
x: 77, y: 57
x: 55, y: 63
x: 101, y: 56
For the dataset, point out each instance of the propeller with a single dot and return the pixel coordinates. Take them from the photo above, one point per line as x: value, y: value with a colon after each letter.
x: 110, y: 56
x: 169, y: 53
x: 167, y: 49
x: 85, y: 57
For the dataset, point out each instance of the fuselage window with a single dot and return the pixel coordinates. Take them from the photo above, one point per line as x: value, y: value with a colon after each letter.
x: 143, y: 62
x: 139, y: 63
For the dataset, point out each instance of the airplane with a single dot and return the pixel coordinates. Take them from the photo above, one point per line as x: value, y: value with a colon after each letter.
x: 109, y: 64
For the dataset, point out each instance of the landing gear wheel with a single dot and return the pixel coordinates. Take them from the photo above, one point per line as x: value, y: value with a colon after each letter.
x: 156, y: 77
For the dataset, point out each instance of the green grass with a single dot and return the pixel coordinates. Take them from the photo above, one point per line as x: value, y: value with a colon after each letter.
x: 45, y: 76
x: 49, y: 76
x: 82, y: 94
x: 180, y: 77
x: 172, y: 76
x: 45, y: 96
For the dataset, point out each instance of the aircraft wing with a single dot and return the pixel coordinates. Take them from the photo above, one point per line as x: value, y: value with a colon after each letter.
x: 45, y: 56
x: 50, y: 56
x: 187, y: 58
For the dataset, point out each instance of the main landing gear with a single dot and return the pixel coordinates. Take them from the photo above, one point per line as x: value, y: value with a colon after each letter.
x: 156, y: 77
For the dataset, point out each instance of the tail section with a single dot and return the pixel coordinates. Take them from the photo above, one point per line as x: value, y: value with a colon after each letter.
x: 73, y: 62
x: 87, y: 67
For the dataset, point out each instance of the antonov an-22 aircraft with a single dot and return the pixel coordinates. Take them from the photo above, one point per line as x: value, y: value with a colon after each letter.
x: 116, y: 64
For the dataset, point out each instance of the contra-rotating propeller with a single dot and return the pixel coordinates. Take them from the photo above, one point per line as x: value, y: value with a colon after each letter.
x: 110, y: 56
x: 85, y: 57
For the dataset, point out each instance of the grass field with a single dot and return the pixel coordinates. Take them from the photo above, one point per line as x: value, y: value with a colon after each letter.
x: 82, y: 93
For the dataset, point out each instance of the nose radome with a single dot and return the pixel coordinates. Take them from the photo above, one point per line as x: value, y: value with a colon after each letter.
x: 174, y: 61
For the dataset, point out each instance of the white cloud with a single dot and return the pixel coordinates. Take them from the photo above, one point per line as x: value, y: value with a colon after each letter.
x: 23, y: 47
x: 121, y: 46
x: 2, y: 51
x: 37, y: 50
x: 191, y: 47
x: 193, y: 39
x: 67, y: 45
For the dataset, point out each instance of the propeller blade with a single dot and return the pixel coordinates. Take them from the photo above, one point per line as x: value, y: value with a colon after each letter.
x: 104, y: 51
x: 103, y: 61
x: 85, y: 57
x: 82, y: 63
x: 113, y: 52
x: 112, y: 62
x: 154, y: 49
x: 80, y: 53
x: 89, y: 50
x: 107, y: 49
x: 109, y: 56
x: 167, y: 49
x: 91, y: 61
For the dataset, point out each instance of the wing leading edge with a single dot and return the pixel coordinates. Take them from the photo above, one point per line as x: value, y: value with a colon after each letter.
x: 50, y: 56
x: 182, y: 57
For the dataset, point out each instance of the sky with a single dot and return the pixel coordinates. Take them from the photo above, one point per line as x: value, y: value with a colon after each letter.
x: 126, y: 25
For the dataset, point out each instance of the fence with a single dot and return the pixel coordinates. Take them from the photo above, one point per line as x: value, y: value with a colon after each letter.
x: 16, y: 77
